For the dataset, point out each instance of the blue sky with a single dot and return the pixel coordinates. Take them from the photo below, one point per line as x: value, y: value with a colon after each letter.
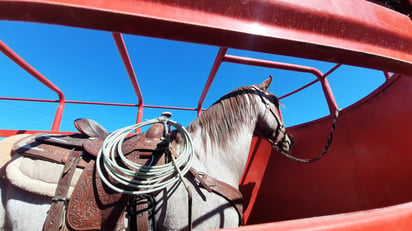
x: 85, y: 65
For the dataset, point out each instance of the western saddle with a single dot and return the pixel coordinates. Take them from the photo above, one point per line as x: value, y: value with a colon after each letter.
x: 92, y: 205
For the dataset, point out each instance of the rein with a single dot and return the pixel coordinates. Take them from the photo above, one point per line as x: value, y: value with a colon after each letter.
x: 281, y: 132
x: 325, y: 148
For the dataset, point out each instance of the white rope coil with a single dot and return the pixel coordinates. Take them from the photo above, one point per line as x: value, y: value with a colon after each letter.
x: 139, y: 179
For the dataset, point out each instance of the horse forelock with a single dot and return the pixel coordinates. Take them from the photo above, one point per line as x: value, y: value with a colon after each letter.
x: 227, y: 117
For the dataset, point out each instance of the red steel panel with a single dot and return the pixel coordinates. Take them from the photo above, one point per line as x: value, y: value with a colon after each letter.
x: 353, y: 32
x: 368, y: 166
x: 397, y: 217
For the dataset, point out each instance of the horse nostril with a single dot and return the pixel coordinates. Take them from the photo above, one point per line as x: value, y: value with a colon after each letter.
x: 287, y: 142
x: 285, y: 146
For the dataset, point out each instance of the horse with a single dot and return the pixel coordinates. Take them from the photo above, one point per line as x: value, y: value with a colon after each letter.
x: 221, y: 138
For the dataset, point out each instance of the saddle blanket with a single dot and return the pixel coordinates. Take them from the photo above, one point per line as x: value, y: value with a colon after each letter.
x: 37, y: 176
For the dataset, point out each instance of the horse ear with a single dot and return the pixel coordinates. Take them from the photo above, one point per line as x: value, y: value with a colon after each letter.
x: 265, y: 85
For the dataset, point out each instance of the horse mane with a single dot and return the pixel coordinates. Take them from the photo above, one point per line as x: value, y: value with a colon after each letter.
x: 225, y: 119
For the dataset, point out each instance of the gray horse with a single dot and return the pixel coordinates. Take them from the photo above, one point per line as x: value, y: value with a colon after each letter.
x: 221, y: 139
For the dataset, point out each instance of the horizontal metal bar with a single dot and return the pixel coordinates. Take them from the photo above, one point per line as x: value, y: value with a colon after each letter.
x: 272, y: 64
x: 330, y: 99
x: 311, y: 83
x: 173, y: 108
x: 11, y: 132
x: 299, y: 89
x: 352, y: 32
x: 99, y: 103
x: 37, y: 75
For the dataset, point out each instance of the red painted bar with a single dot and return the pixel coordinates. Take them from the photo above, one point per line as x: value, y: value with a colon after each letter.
x: 353, y: 32
x: 68, y: 101
x: 11, y: 132
x: 311, y: 83
x: 27, y: 67
x: 29, y: 99
x: 272, y: 64
x: 330, y: 99
x: 299, y: 89
x: 130, y: 71
x: 223, y: 57
x: 173, y: 108
x: 219, y: 59
x: 332, y: 70
x: 99, y: 103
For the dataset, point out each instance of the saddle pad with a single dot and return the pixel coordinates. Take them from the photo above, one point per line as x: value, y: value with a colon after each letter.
x: 6, y: 146
x: 37, y: 176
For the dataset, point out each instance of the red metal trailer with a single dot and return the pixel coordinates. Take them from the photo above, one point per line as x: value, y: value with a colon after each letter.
x: 364, y: 181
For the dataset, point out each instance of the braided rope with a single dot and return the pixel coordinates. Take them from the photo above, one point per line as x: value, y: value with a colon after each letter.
x: 325, y: 148
x: 137, y: 179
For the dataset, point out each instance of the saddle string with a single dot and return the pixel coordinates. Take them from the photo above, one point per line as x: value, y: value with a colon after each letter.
x: 325, y: 148
x: 143, y: 178
x: 173, y: 155
x: 189, y: 191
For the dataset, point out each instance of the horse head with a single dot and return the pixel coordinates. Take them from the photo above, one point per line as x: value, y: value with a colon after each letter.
x: 269, y: 124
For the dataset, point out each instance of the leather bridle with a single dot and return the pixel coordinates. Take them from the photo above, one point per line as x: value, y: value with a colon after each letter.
x: 283, y: 138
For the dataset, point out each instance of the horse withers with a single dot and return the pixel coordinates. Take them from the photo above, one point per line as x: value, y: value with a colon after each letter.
x: 221, y: 138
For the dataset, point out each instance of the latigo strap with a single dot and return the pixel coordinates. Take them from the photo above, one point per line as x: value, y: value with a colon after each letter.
x: 55, y: 217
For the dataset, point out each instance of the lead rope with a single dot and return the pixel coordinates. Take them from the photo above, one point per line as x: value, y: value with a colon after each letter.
x: 325, y: 148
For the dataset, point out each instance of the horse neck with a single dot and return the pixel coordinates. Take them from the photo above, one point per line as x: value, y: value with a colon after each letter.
x: 224, y: 162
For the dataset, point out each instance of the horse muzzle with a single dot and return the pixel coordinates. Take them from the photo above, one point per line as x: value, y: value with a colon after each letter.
x: 286, y: 143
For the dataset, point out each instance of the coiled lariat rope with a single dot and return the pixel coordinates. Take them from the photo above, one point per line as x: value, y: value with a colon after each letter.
x: 137, y: 179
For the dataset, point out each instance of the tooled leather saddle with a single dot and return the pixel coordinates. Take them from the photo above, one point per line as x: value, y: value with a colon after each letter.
x: 94, y: 206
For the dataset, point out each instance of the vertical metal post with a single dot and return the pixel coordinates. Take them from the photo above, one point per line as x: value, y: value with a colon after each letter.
x: 23, y: 64
x: 118, y: 38
x: 330, y: 99
x: 219, y: 58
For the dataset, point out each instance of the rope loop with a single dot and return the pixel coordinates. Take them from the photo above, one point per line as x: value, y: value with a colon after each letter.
x: 136, y: 179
